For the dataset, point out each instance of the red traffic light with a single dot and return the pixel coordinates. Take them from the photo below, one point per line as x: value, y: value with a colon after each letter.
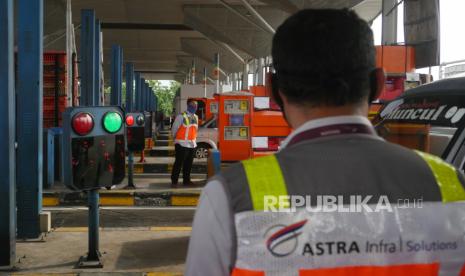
x: 129, y: 120
x: 82, y: 123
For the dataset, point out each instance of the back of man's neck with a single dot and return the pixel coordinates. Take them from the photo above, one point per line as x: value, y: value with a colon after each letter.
x: 298, y: 116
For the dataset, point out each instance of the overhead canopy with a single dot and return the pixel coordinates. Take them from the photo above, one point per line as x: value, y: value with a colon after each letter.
x: 154, y: 34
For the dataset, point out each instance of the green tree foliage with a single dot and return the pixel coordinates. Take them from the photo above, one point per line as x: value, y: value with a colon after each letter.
x: 107, y: 91
x: 165, y: 95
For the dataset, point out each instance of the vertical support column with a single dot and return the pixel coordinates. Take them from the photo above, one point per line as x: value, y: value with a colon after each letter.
x: 216, y: 72
x: 234, y: 82
x: 260, y: 72
x: 193, y: 72
x: 389, y: 22
x: 255, y: 72
x: 143, y: 91
x: 29, y: 117
x: 150, y: 97
x: 138, y: 92
x: 205, y: 82
x: 147, y: 100
x: 129, y: 86
x: 88, y: 65
x: 116, y: 75
x: 144, y: 96
x: 130, y: 108
x: 245, y: 77
x: 7, y: 139
x: 69, y: 52
x: 98, y: 97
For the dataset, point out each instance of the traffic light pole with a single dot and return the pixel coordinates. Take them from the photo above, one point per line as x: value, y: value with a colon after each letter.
x: 93, y: 258
x: 129, y: 108
x: 91, y: 69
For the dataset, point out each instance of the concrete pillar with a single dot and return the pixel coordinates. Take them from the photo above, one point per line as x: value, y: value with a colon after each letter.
x: 217, y: 72
x: 245, y: 77
x: 193, y: 72
x: 260, y: 71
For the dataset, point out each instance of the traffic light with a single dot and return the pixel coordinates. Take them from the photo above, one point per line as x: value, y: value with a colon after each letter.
x: 93, y: 147
x: 135, y: 129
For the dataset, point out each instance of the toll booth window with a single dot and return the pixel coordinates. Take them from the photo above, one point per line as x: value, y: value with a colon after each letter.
x: 201, y: 110
x: 236, y: 120
x: 423, y: 137
x: 212, y: 123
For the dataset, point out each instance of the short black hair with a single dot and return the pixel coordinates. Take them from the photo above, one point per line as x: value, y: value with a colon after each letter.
x: 324, y: 57
x: 191, y: 101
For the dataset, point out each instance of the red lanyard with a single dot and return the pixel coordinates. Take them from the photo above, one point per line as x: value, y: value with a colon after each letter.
x: 332, y: 130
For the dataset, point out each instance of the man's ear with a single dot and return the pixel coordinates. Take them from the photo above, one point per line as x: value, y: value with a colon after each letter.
x: 377, y: 82
x: 282, y: 97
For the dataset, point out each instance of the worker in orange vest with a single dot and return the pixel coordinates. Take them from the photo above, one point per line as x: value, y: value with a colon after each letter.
x: 327, y: 202
x: 184, y: 131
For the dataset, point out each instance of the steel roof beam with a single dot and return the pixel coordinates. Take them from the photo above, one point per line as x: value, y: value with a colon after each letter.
x: 258, y: 16
x: 145, y: 26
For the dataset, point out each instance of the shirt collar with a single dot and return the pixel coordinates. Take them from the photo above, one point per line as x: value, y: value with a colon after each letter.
x: 334, y: 120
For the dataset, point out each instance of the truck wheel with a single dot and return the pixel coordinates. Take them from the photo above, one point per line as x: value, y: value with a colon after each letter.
x: 201, y: 151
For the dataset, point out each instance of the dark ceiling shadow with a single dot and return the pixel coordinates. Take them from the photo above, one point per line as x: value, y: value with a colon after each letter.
x: 153, y: 253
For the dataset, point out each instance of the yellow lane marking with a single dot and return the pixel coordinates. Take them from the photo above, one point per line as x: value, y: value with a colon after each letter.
x: 163, y: 274
x: 171, y: 228
x: 50, y: 200
x: 169, y: 167
x: 152, y: 228
x: 116, y: 199
x: 44, y: 274
x: 138, y: 168
x: 184, y: 200
x: 71, y: 229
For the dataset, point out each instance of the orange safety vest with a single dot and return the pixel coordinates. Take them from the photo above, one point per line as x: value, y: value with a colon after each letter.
x: 402, y: 242
x: 188, y: 130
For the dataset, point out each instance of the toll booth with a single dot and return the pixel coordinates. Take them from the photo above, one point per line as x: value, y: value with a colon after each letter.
x: 93, y: 147
x: 234, y: 125
x: 207, y: 108
x: 269, y: 128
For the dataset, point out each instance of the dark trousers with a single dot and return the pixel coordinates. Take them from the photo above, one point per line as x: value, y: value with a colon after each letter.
x: 184, y: 159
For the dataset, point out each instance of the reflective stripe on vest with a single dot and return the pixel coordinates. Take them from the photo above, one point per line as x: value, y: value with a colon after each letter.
x: 446, y: 178
x: 265, y: 178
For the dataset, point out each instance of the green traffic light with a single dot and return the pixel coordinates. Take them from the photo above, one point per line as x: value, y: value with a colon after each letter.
x: 112, y: 122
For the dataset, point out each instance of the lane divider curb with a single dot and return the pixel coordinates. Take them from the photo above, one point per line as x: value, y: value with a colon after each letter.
x: 123, y: 198
x: 110, y: 229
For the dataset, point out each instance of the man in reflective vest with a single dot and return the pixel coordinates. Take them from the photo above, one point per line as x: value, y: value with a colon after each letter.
x: 336, y: 183
x: 184, y: 131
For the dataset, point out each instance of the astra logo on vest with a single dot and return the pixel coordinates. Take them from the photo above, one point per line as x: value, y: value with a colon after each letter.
x: 283, y: 240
